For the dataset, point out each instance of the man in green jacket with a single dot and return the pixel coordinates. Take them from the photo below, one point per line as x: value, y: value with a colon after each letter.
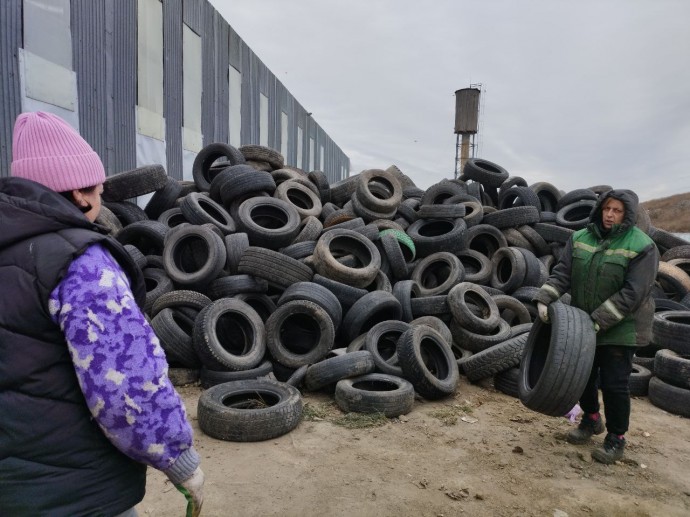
x: 609, y: 268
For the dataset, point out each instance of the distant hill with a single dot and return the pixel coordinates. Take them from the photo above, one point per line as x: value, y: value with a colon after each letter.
x: 670, y: 213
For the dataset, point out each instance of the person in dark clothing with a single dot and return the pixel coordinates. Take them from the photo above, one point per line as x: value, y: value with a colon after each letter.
x: 85, y: 400
x: 609, y: 268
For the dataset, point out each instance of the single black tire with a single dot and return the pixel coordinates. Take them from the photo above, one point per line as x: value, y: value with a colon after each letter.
x: 669, y: 398
x: 495, y: 359
x: 193, y: 255
x: 249, y: 410
x: 137, y: 182
x: 235, y: 246
x: 485, y: 172
x: 298, y: 333
x: 268, y: 222
x: 433, y: 235
x: 485, y: 239
x: 638, y: 382
x: 509, y: 269
x: 427, y: 361
x: 438, y: 273
x: 260, y: 153
x: 381, y: 341
x: 483, y: 319
x: 512, y: 217
x: 404, y: 291
x: 148, y: 236
x: 507, y: 382
x: 201, y: 169
x: 341, y: 242
x: 232, y: 285
x: 477, y: 266
x: 557, y: 361
x: 157, y: 284
x: 180, y: 298
x: 174, y: 330
x: 670, y: 329
x: 164, y: 198
x: 375, y: 393
x: 318, y: 294
x: 329, y: 371
x: 305, y: 201
x: 210, y: 378
x: 672, y: 368
x: 229, y: 335
x: 369, y: 310
x: 108, y: 220
x: 512, y: 310
x: 474, y: 342
x: 126, y: 211
x: 384, y: 199
x: 200, y: 209
x: 277, y: 269
x: 575, y: 215
x: 346, y: 294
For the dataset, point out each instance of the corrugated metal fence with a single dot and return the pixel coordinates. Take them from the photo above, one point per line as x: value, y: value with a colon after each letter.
x: 104, y: 56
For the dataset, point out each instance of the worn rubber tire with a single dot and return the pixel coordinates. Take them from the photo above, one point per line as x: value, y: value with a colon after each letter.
x: 375, y: 393
x: 495, y: 359
x: 669, y: 398
x: 557, y: 361
x: 229, y: 335
x: 672, y: 368
x: 381, y: 341
x: 274, y: 267
x: 670, y: 329
x: 249, y: 410
x: 133, y: 183
x: 290, y: 325
x: 347, y: 242
x: 427, y: 361
x: 329, y: 371
x: 485, y: 319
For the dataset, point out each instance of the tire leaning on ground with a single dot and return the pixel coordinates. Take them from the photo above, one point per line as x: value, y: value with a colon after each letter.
x: 331, y: 370
x: 249, y: 410
x: 557, y: 361
x: 375, y: 393
x: 669, y: 398
x: 672, y: 368
x: 427, y: 361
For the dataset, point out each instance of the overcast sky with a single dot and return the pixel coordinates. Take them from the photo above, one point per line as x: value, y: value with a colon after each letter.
x: 574, y: 93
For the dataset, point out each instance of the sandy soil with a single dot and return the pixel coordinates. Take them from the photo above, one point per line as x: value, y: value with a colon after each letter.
x: 479, y: 453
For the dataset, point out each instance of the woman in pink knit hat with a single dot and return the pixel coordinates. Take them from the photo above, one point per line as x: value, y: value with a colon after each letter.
x: 85, y: 400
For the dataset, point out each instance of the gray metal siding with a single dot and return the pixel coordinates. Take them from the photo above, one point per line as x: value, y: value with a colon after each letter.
x: 173, y: 106
x: 10, y: 96
x: 124, y: 83
x: 88, y: 49
x: 104, y: 39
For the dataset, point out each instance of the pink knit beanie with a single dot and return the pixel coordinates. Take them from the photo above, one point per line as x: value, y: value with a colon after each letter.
x: 49, y: 151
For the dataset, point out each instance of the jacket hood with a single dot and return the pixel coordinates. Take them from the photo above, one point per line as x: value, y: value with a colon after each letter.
x: 630, y: 202
x: 28, y: 209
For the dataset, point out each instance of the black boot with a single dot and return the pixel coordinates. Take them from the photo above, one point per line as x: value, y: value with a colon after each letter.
x: 586, y: 429
x: 611, y: 451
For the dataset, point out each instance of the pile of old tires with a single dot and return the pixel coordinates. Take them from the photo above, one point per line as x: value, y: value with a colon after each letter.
x: 263, y: 279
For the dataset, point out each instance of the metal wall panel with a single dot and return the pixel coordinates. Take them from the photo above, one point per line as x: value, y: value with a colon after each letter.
x: 10, y: 95
x: 104, y: 38
x: 88, y: 49
x: 220, y: 104
x: 192, y: 15
x: 208, y: 95
x: 173, y: 107
x: 123, y: 87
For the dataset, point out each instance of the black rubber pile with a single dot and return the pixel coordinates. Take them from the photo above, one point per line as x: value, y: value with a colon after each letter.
x: 263, y: 279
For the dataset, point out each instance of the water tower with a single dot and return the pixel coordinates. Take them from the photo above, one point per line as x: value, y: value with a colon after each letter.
x: 466, y: 121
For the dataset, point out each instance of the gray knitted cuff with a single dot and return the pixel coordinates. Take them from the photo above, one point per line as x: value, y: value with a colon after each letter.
x: 184, y: 466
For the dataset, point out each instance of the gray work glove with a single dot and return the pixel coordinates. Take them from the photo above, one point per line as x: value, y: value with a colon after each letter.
x: 193, y: 490
x: 543, y: 311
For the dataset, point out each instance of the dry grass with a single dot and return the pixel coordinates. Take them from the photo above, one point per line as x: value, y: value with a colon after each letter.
x: 361, y: 420
x: 448, y: 415
x: 670, y: 213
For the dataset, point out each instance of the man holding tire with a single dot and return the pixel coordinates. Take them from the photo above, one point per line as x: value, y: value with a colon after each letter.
x: 609, y: 268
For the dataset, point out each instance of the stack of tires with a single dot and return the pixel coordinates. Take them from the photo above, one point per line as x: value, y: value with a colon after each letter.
x: 256, y: 270
x: 669, y: 389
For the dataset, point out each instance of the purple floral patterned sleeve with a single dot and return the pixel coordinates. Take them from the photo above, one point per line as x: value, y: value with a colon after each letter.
x: 121, y: 366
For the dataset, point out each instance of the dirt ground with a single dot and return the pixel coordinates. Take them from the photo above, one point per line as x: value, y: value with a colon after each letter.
x: 478, y: 453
